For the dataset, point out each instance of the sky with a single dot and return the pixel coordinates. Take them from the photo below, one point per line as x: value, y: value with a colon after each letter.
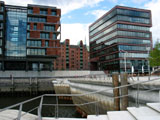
x: 77, y: 15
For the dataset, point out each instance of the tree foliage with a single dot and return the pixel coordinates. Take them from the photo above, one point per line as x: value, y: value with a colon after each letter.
x: 154, y: 56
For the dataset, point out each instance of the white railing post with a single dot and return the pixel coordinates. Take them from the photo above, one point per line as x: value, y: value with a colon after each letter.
x: 40, y: 109
x: 19, y: 113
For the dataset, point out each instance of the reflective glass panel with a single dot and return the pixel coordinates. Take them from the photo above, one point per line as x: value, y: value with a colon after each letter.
x: 16, y: 25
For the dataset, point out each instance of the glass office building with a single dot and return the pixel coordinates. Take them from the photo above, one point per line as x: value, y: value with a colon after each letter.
x: 120, y: 40
x: 29, y: 37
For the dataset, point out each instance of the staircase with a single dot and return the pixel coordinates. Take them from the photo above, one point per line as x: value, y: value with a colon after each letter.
x: 149, y: 112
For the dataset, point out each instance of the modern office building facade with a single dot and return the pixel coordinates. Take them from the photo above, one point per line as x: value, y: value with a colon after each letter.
x: 72, y: 57
x: 29, y: 37
x: 120, y: 40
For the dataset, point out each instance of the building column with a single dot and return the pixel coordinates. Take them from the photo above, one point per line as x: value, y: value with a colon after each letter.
x: 3, y: 65
x: 39, y: 66
x: 26, y: 65
x: 51, y: 66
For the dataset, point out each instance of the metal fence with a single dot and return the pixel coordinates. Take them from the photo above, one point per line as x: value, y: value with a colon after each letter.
x: 95, y: 103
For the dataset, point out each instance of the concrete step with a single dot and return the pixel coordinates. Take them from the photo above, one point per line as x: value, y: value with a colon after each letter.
x: 155, y: 106
x: 144, y: 113
x: 12, y: 114
x: 47, y: 118
x: 120, y: 115
x: 99, y: 117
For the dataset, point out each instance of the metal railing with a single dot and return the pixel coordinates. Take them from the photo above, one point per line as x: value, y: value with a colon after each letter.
x: 57, y: 105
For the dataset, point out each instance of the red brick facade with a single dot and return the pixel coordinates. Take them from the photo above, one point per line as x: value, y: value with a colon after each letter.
x: 72, y: 61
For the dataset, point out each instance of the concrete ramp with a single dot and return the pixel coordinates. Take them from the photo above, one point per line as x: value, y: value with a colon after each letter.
x: 12, y: 114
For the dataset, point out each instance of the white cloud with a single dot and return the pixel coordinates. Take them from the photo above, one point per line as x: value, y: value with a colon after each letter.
x: 75, y: 32
x: 65, y: 5
x: 98, y: 13
x: 138, y: 1
x: 19, y: 2
x: 154, y: 6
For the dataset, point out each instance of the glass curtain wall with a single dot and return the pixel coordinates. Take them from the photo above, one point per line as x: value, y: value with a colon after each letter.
x: 16, y: 26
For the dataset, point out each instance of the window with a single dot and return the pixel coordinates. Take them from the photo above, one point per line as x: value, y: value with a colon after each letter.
x: 0, y: 42
x: 16, y: 34
x: 34, y: 43
x: 36, y: 19
x: 28, y: 34
x: 53, y: 12
x: 46, y: 43
x: 1, y: 34
x: 0, y: 50
x: 44, y: 35
x: 54, y: 36
x: 30, y: 11
x: 43, y: 12
x: 49, y: 28
x: 28, y: 27
x: 1, y: 17
x: 35, y: 27
x: 35, y: 51
x: 1, y: 25
x: 1, y: 8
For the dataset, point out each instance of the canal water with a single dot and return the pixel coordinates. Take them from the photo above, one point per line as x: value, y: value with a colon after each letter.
x: 47, y: 111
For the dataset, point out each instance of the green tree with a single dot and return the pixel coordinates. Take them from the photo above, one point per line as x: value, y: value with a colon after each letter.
x: 154, y: 57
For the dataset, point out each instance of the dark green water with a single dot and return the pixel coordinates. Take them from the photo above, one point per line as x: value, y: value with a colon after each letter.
x: 47, y: 111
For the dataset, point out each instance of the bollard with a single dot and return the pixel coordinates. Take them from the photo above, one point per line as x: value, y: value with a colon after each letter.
x: 124, y: 91
x: 115, y: 81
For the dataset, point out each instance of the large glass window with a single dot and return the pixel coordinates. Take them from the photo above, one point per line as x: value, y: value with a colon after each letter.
x: 54, y: 13
x: 1, y: 25
x: 54, y: 36
x: 0, y: 42
x: 133, y: 19
x: 1, y: 34
x: 43, y: 12
x: 132, y: 13
x: 16, y: 26
x: 121, y: 18
x: 34, y: 43
x: 134, y: 34
x: 105, y: 18
x: 30, y: 11
x: 129, y: 41
x: 36, y: 19
x: 49, y: 27
x: 0, y: 50
x: 35, y: 51
x: 28, y: 27
x: 44, y: 35
x: 133, y: 48
x: 46, y: 43
x: 1, y: 8
x: 1, y: 17
x: 133, y: 27
x: 134, y: 55
x: 35, y: 27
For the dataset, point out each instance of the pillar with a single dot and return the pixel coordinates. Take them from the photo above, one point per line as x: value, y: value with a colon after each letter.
x: 115, y: 81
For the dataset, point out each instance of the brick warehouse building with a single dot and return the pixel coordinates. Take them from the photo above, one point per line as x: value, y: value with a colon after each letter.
x: 73, y: 57
x: 121, y: 40
x: 29, y: 37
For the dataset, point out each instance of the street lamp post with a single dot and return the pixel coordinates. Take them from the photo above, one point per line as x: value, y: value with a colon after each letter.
x: 125, y: 60
x: 149, y: 72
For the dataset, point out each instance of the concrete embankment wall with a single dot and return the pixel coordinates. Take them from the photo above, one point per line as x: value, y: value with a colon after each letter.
x: 48, y: 73
x: 35, y: 81
x: 106, y: 97
x: 104, y: 100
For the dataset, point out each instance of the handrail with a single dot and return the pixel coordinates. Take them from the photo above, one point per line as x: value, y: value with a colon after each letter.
x: 70, y: 95
x: 75, y: 95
